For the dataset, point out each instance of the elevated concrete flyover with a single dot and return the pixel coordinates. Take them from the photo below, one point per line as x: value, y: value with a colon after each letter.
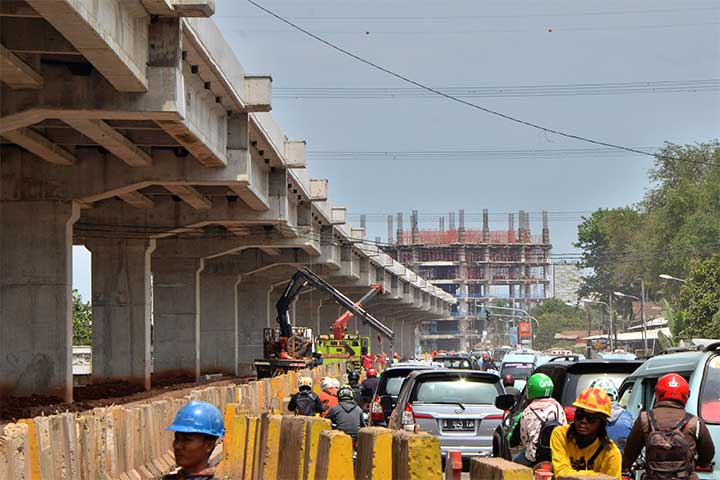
x: 131, y: 128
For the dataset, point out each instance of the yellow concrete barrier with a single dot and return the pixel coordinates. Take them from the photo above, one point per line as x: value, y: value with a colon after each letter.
x: 335, y: 456
x: 250, y: 446
x: 498, y: 469
x: 233, y: 443
x: 15, y: 461
x: 416, y: 456
x: 314, y: 427
x: 292, y: 446
x: 586, y: 477
x: 269, y: 446
x: 374, y: 454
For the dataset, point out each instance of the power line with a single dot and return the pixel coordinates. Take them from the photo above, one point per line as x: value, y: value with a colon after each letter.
x: 449, y: 97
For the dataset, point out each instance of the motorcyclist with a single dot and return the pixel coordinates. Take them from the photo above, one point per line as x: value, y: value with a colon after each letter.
x: 542, y: 409
x: 672, y: 438
x: 305, y: 401
x: 369, y: 386
x: 328, y: 394
x: 621, y: 421
x: 354, y: 382
x: 509, y: 384
x: 346, y: 415
x: 583, y: 448
x: 197, y: 427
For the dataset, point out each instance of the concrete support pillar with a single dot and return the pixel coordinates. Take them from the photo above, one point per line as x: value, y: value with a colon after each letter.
x: 218, y: 321
x: 121, y: 310
x: 36, y: 297
x: 176, y: 317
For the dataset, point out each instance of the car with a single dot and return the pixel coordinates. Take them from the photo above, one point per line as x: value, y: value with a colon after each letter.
x: 389, y: 387
x: 456, y: 361
x: 700, y: 366
x: 457, y: 406
x: 520, y: 365
x: 500, y: 352
x: 570, y: 375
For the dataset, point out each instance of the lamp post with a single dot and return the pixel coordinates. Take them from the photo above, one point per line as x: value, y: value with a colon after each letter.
x: 610, y: 314
x: 527, y: 314
x: 665, y: 276
x: 642, y: 311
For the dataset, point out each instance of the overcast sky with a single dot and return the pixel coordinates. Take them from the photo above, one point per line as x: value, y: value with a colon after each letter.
x: 482, y: 44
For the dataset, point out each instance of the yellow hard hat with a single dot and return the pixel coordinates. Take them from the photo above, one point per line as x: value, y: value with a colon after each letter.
x: 594, y: 400
x: 305, y: 382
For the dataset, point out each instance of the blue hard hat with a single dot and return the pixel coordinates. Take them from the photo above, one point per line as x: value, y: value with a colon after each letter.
x: 199, y: 417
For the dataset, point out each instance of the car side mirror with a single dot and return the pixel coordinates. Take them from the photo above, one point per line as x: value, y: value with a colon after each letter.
x: 506, y: 401
x: 386, y: 402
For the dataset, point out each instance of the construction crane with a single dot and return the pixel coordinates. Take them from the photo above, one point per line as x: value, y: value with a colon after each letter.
x: 288, y: 348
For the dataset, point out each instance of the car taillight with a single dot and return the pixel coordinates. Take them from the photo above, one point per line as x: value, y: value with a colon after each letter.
x: 569, y: 413
x: 376, y: 411
x: 494, y: 417
x: 408, y: 416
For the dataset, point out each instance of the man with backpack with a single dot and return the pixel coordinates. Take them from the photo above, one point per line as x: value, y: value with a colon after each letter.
x: 305, y: 402
x: 346, y: 415
x: 542, y: 414
x: 672, y: 437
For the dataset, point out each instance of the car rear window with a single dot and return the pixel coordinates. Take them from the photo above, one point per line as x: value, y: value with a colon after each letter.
x: 454, y: 362
x: 578, y: 383
x: 456, y: 390
x: 710, y: 394
x: 393, y: 379
x: 392, y: 387
x: 517, y: 370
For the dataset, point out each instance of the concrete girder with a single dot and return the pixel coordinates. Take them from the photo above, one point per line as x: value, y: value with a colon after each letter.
x: 191, y: 196
x: 38, y: 145
x: 16, y: 73
x: 112, y: 35
x: 110, y: 139
x: 27, y: 35
x: 136, y: 199
x: 17, y: 8
x: 180, y: 8
x: 217, y: 247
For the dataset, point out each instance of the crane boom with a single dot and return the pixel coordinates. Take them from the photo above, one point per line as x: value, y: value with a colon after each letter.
x: 305, y: 277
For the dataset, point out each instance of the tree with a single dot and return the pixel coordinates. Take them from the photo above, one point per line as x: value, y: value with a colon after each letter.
x: 700, y: 299
x: 82, y: 320
x: 554, y: 316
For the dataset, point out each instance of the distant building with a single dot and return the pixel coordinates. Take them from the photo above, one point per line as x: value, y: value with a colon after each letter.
x: 476, y: 266
x: 566, y: 281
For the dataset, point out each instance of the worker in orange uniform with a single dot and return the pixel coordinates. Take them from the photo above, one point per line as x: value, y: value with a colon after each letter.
x: 584, y: 447
x: 328, y: 395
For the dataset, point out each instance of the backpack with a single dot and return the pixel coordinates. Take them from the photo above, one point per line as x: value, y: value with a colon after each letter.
x: 305, y: 404
x: 542, y: 449
x: 668, y: 454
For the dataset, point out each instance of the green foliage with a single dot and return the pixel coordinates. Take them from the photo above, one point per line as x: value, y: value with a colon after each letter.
x: 82, y: 320
x: 555, y: 316
x: 700, y: 299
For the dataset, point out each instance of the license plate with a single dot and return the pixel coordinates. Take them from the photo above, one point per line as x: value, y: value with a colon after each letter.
x: 458, y: 425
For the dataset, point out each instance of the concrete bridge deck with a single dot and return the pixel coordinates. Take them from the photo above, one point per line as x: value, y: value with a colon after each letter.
x: 130, y: 127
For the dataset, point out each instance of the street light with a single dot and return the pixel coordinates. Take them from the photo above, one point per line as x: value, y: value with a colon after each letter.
x: 665, y: 276
x: 642, y: 311
x: 610, y: 314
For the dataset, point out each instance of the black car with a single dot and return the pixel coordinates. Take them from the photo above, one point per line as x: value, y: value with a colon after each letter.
x: 570, y: 376
x: 389, y: 387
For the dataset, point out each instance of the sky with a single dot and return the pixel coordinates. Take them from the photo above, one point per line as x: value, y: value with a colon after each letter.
x: 472, y: 44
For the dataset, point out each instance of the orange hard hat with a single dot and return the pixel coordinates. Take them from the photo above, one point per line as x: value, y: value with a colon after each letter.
x: 594, y: 400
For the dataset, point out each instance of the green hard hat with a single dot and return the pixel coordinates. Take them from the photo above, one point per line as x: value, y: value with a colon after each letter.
x: 539, y: 385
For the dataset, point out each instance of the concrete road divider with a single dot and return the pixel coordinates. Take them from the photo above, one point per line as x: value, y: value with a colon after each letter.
x: 498, y: 469
x: 375, y: 457
x: 268, y: 452
x: 335, y: 456
x: 416, y: 456
x: 586, y: 477
x: 313, y: 428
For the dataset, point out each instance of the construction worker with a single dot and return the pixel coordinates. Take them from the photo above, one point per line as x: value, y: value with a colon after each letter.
x: 305, y: 401
x: 542, y: 414
x: 369, y: 386
x: 583, y: 448
x: 672, y: 437
x: 328, y: 395
x: 354, y: 382
x: 365, y: 359
x: 621, y: 421
x: 197, y: 427
x: 346, y: 415
x: 396, y: 358
x: 509, y: 384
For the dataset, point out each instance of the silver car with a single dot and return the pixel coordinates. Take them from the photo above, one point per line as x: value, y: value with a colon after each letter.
x: 457, y: 406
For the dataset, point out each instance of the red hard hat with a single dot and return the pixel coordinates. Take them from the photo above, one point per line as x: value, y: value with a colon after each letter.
x: 371, y: 372
x: 672, y: 387
x: 485, y: 355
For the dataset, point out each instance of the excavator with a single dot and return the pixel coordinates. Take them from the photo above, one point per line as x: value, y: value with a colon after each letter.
x: 294, y: 348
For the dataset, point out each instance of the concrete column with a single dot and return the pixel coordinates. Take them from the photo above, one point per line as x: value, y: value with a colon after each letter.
x: 176, y: 317
x: 36, y: 297
x: 218, y: 320
x: 121, y: 310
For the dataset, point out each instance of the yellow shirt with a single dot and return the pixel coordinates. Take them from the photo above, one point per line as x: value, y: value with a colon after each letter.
x: 569, y: 459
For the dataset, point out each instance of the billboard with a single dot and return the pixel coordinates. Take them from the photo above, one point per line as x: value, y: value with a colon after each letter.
x: 524, y: 330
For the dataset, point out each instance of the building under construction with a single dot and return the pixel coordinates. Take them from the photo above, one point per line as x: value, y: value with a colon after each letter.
x: 477, y: 266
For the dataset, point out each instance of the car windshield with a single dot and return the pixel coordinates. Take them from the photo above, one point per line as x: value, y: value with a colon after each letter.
x: 586, y: 379
x: 454, y: 362
x: 456, y: 390
x: 710, y: 393
x: 517, y: 370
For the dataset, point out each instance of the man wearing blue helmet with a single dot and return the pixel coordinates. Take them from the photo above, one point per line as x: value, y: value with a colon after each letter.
x: 197, y: 427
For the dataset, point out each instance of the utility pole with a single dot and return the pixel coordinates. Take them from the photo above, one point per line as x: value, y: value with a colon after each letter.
x: 613, y: 329
x: 642, y: 315
x: 588, y: 319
